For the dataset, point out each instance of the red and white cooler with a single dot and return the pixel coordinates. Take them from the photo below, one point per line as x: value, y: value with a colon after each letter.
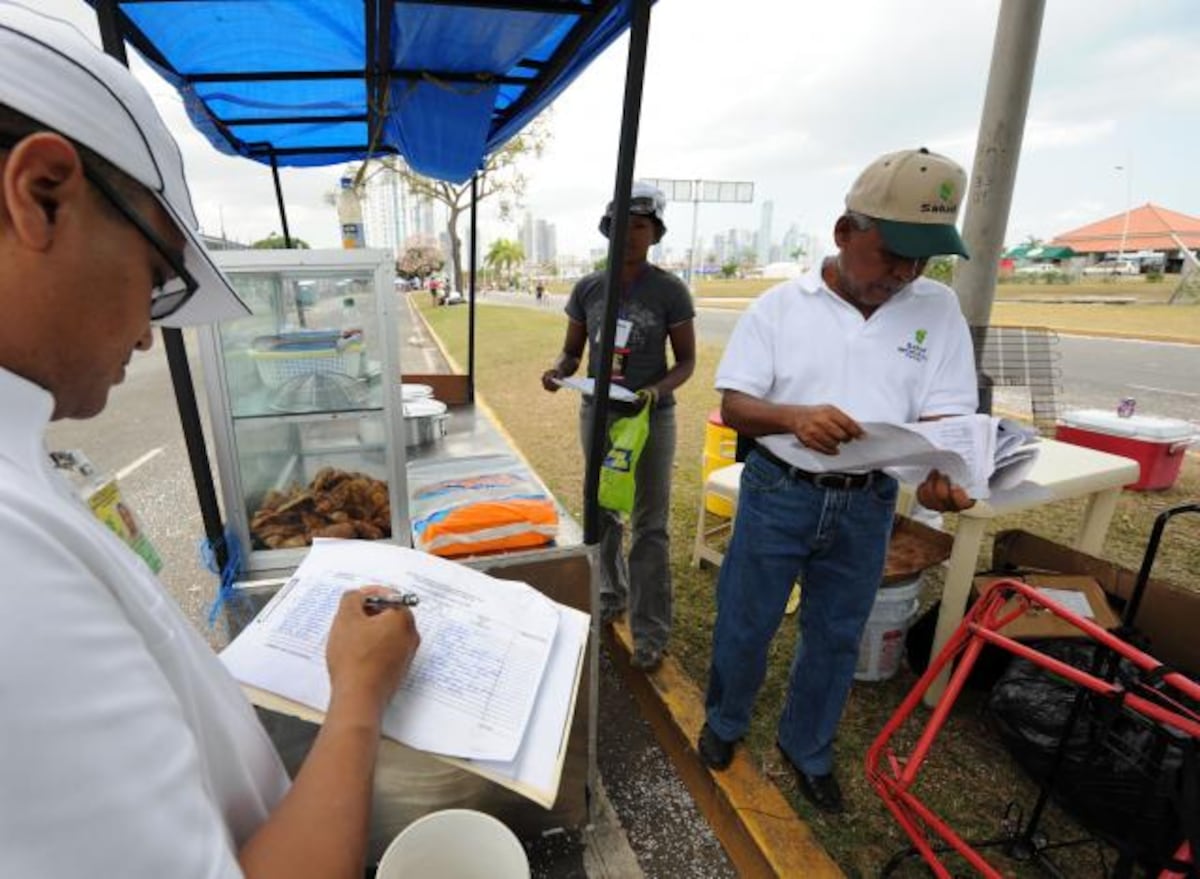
x: 1157, y: 444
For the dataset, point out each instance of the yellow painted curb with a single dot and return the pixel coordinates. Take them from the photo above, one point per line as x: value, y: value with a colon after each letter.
x: 760, y: 832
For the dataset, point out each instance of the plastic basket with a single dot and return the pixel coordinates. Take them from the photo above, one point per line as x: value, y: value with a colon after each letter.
x: 277, y: 367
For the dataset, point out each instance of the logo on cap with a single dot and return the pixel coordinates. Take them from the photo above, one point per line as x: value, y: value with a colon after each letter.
x: 945, y: 192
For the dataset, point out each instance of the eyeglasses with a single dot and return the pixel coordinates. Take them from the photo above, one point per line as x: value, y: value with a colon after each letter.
x: 168, y: 297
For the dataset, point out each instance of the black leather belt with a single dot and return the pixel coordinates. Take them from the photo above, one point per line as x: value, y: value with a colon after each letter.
x: 833, y: 481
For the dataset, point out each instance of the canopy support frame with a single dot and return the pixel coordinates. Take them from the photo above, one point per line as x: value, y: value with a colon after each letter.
x: 635, y: 75
x: 107, y: 15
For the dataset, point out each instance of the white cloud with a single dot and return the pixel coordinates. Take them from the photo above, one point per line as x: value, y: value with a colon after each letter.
x: 797, y: 97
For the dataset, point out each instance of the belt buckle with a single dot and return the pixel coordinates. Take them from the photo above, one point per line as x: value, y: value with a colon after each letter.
x: 842, y: 481
x: 830, y: 481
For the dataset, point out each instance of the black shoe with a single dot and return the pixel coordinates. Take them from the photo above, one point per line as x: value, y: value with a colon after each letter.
x: 714, y: 750
x: 822, y: 791
x: 610, y: 613
x: 647, y: 659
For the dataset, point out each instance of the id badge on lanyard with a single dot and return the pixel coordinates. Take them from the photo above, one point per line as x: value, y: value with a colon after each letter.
x: 103, y: 497
x: 621, y: 347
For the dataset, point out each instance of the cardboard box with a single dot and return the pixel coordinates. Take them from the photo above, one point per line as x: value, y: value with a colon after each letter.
x: 1168, y: 615
x: 913, y: 548
x: 1037, y: 622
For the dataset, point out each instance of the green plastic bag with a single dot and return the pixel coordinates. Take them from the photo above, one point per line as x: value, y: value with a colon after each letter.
x: 627, y: 438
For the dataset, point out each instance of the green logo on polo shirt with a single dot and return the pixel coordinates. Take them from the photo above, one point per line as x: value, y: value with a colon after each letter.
x: 916, y: 350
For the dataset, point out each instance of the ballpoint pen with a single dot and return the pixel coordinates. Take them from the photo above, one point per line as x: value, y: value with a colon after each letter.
x: 376, y: 603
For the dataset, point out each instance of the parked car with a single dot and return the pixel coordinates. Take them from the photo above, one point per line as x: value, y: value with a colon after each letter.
x: 1038, y: 268
x: 1112, y: 267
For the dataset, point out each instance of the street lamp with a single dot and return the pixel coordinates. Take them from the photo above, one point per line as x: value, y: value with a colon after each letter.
x: 1127, y: 170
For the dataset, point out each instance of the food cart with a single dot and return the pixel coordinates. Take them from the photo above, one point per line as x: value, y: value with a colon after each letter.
x: 442, y: 84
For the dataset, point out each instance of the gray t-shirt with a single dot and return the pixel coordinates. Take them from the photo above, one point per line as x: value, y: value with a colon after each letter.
x: 649, y: 307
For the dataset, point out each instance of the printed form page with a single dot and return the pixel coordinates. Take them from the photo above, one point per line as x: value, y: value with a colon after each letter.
x: 473, y: 682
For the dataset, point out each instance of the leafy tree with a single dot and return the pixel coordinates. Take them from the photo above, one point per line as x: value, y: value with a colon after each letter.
x: 940, y: 268
x: 275, y: 241
x: 600, y: 265
x: 501, y: 176
x: 504, y: 255
x: 420, y: 259
x: 747, y: 259
x: 729, y: 269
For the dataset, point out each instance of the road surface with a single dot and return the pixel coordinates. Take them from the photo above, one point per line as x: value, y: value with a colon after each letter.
x: 1096, y: 373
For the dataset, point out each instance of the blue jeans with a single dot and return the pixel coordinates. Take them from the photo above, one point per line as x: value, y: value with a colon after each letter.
x: 836, y: 542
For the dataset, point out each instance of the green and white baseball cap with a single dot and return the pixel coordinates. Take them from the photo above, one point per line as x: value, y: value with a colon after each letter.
x: 913, y: 196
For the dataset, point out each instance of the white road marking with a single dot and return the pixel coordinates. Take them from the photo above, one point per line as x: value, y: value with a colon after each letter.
x: 150, y: 455
x: 1121, y: 340
x: 1165, y: 391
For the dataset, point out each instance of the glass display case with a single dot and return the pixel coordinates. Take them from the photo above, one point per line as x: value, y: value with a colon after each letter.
x: 306, y: 402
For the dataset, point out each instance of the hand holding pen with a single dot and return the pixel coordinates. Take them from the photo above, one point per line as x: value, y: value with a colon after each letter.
x: 378, y: 603
x: 369, y: 651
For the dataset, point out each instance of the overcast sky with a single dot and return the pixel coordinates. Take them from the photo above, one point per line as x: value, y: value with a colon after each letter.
x: 797, y: 97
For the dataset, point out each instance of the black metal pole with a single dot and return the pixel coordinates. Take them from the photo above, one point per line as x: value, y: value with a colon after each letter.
x: 1143, y: 577
x: 177, y: 360
x: 471, y: 291
x: 635, y: 74
x: 287, y: 236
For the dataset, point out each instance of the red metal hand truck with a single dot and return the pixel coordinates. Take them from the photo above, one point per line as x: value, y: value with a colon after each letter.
x: 1166, y: 699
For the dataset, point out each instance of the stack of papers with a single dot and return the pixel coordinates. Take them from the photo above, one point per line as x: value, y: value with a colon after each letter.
x: 981, y: 453
x: 492, y: 687
x: 587, y: 387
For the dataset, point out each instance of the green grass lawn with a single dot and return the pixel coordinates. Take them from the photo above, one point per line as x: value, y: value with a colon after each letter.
x: 971, y: 779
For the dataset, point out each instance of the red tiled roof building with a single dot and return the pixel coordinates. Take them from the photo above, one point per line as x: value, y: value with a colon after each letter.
x: 1149, y: 227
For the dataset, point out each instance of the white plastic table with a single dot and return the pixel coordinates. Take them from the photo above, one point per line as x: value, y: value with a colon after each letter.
x: 1062, y: 472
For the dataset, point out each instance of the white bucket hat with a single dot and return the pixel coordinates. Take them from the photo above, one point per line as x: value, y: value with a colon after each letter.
x: 53, y: 74
x: 645, y: 200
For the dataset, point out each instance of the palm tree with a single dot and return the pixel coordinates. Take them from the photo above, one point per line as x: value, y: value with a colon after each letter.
x: 504, y: 254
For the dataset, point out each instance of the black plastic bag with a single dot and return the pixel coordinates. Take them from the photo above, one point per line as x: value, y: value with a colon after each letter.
x: 1121, y: 775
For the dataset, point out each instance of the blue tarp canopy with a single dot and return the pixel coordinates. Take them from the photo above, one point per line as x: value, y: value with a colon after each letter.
x: 319, y: 82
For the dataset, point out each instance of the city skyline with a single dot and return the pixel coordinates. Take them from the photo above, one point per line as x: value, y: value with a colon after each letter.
x: 1109, y: 86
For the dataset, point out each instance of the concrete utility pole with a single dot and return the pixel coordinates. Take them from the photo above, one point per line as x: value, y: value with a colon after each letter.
x: 999, y: 147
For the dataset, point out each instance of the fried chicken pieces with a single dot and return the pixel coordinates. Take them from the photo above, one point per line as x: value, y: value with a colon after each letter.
x: 337, y: 503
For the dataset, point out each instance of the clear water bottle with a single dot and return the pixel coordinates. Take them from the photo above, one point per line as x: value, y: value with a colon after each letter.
x: 350, y: 218
x: 353, y: 337
x: 352, y: 320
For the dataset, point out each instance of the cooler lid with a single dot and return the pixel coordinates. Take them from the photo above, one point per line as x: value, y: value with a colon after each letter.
x: 1145, y: 427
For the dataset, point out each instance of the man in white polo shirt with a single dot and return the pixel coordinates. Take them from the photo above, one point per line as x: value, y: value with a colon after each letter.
x: 862, y: 337
x: 126, y: 748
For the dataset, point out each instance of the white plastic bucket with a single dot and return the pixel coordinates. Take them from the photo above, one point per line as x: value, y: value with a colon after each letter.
x: 455, y: 844
x: 882, y: 642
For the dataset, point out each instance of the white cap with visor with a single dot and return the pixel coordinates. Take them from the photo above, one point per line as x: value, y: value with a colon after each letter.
x: 54, y: 75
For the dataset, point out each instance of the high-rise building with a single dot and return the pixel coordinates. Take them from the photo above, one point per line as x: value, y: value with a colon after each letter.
x: 791, y: 240
x: 528, y: 244
x: 764, y: 233
x: 545, y: 243
x: 384, y: 203
x: 427, y: 225
x: 720, y: 249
